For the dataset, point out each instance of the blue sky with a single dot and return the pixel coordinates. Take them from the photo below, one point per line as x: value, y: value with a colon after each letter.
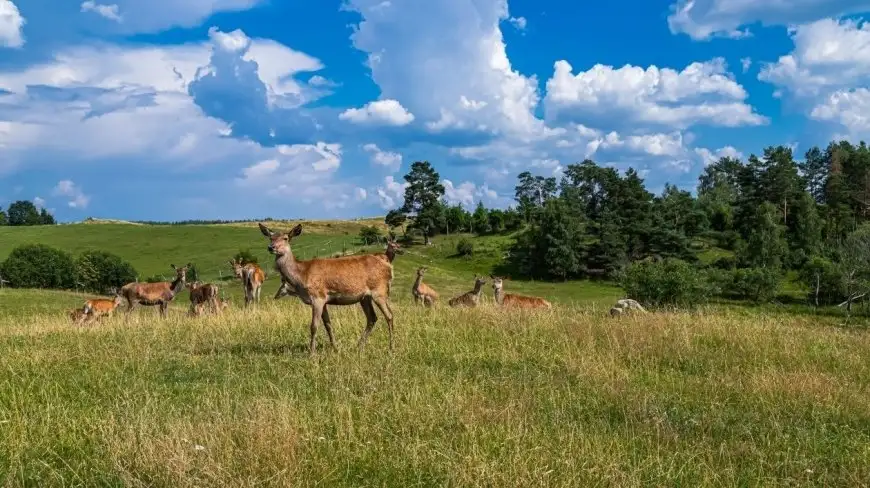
x: 180, y: 109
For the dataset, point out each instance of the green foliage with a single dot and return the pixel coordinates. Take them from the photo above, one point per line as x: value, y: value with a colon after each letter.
x: 370, y: 234
x: 670, y: 282
x: 4, y: 220
x: 464, y: 247
x: 756, y: 284
x: 823, y: 280
x: 24, y: 212
x: 245, y: 256
x: 766, y: 246
x: 480, y: 219
x: 39, y: 266
x: 395, y: 218
x: 155, y: 279
x: 100, y: 271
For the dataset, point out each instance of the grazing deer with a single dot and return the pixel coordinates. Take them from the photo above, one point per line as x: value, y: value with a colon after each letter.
x: 471, y: 298
x: 200, y: 294
x: 100, y: 307
x: 252, y: 277
x: 160, y: 293
x: 513, y: 300
x: 422, y: 291
x: 365, y: 279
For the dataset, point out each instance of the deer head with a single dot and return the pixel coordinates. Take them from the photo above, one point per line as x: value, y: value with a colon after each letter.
x: 393, y: 246
x: 421, y: 270
x: 116, y: 301
x: 279, y: 242
x: 497, y: 283
x: 181, y: 273
x: 237, y: 267
x: 479, y: 281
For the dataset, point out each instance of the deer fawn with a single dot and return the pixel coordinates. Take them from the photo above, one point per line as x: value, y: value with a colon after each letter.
x: 422, y: 291
x: 77, y: 315
x: 365, y: 279
x: 513, y: 300
x: 200, y: 295
x: 160, y: 293
x: 252, y: 277
x: 471, y: 298
x: 96, y: 308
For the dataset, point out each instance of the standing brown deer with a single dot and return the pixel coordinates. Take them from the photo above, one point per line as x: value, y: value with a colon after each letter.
x: 365, y: 279
x: 471, y: 298
x: 393, y: 248
x: 252, y: 277
x: 161, y: 293
x: 422, y: 291
x: 100, y: 307
x: 200, y: 295
x: 513, y: 300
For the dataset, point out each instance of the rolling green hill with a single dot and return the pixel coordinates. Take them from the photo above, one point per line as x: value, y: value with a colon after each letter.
x: 152, y: 248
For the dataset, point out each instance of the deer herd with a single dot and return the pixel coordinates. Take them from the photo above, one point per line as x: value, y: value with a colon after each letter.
x: 364, y: 279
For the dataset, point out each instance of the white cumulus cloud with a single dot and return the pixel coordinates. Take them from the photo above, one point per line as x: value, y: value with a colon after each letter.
x: 109, y: 11
x: 77, y: 198
x: 387, y: 159
x: 11, y: 25
x: 385, y: 112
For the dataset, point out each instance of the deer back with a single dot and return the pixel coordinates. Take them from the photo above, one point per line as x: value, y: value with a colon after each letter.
x: 348, y: 276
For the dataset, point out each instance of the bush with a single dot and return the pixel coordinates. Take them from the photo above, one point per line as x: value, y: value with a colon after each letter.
x: 670, y: 282
x: 39, y: 266
x: 370, y: 234
x: 756, y: 284
x: 464, y: 247
x: 156, y: 279
x: 100, y: 271
x: 827, y: 276
x: 245, y: 256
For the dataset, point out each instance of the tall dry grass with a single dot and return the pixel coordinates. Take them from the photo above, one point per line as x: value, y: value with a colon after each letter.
x: 470, y: 398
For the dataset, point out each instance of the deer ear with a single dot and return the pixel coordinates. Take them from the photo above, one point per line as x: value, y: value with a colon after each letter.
x: 295, y: 231
x: 172, y: 266
x: 265, y: 230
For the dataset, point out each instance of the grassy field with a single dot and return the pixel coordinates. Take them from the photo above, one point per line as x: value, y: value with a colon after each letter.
x: 726, y: 396
x: 469, y: 398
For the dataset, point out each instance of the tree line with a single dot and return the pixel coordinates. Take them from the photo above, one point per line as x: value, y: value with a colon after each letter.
x: 755, y: 219
x: 24, y: 212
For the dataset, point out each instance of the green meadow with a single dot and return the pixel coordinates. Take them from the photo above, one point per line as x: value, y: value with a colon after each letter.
x: 723, y: 396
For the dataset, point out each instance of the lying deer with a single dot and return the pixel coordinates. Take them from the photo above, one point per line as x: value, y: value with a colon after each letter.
x: 422, y: 291
x: 471, y: 298
x: 625, y: 305
x: 365, y: 279
x: 161, y: 293
x: 96, y: 308
x: 252, y: 277
x: 513, y: 300
x: 200, y: 295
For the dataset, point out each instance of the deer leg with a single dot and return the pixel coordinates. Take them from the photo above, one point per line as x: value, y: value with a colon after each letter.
x: 371, y: 319
x: 384, y: 306
x: 327, y: 324
x: 317, y: 307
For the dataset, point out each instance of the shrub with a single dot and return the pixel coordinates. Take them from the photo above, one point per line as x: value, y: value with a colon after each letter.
x: 370, y: 234
x: 757, y: 284
x: 670, y: 282
x: 39, y: 266
x: 155, y: 279
x: 100, y: 271
x: 464, y: 247
x: 245, y: 256
x: 824, y: 274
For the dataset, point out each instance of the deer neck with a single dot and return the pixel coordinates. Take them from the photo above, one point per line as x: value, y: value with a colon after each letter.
x: 288, y: 267
x: 176, y: 286
x: 417, y: 283
x: 478, y: 287
x: 499, y: 296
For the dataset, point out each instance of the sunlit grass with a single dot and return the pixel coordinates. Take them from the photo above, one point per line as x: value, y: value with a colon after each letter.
x: 469, y: 398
